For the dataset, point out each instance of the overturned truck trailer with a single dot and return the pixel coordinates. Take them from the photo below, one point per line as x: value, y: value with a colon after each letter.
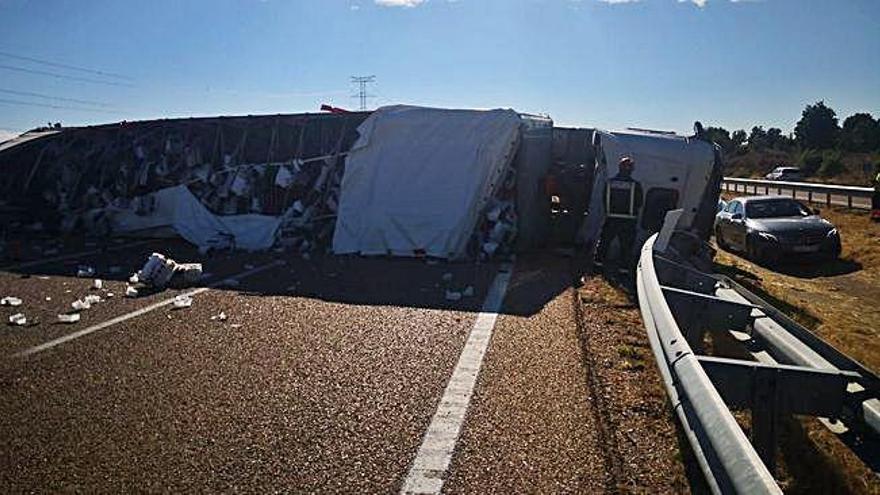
x: 401, y: 180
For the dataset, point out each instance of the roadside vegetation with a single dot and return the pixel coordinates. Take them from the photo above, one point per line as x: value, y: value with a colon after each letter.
x: 824, y: 149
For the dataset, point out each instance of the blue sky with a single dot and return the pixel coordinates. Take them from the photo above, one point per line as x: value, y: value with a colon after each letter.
x: 650, y: 63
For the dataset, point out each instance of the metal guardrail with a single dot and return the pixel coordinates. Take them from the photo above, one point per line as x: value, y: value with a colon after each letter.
x: 785, y: 370
x: 820, y: 193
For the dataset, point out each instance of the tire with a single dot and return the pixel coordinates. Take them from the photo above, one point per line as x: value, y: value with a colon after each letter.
x: 752, y: 252
x: 720, y: 240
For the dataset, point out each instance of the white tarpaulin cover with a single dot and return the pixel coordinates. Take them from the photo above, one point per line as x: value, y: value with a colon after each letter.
x: 418, y: 179
x: 177, y: 208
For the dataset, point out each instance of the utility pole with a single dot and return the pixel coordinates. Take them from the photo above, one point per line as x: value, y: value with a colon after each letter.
x: 362, y: 95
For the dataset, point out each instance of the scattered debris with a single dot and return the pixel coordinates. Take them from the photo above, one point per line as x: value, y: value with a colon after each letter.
x: 48, y: 298
x: 222, y: 316
x: 17, y: 319
x: 69, y: 318
x: 109, y: 295
x: 10, y: 301
x: 130, y: 291
x: 92, y: 299
x: 80, y: 305
x: 159, y: 271
x: 98, y: 285
x: 182, y: 301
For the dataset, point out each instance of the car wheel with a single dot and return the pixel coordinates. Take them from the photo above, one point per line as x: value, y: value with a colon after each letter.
x: 752, y: 251
x: 720, y: 240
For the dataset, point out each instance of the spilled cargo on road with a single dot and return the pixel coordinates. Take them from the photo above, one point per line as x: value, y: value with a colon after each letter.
x: 261, y: 182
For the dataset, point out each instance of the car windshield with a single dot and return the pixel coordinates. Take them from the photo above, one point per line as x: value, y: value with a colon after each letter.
x: 774, y: 208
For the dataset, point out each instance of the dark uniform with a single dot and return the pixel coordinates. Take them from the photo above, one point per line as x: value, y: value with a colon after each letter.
x: 875, y: 200
x: 623, y: 200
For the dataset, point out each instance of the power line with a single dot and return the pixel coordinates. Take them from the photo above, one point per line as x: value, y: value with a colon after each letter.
x: 58, y: 107
x: 362, y: 82
x: 65, y: 66
x: 49, y: 97
x: 63, y: 76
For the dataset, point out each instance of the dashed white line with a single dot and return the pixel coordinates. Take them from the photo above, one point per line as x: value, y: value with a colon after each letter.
x: 134, y: 314
x: 428, y: 470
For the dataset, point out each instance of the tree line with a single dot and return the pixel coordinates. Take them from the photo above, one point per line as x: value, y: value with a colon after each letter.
x: 818, y: 140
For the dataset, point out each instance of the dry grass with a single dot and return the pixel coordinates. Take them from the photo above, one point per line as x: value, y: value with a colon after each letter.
x: 838, y: 300
x: 841, y: 302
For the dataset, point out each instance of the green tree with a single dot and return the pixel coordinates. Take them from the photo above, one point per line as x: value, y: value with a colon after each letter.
x: 758, y: 138
x: 817, y: 128
x: 721, y: 137
x: 860, y: 133
x: 738, y: 138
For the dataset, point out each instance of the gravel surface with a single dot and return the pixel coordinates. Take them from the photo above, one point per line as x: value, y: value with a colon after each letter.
x: 530, y: 428
x: 644, y: 453
x: 288, y: 392
x: 57, y: 281
x: 323, y: 378
x: 569, y: 400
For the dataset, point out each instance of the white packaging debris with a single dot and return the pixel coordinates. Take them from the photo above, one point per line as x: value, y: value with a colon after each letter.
x: 109, y: 295
x: 190, y: 272
x: 222, y: 316
x: 99, y: 284
x: 182, y: 301
x: 10, y: 301
x: 85, y: 271
x: 452, y: 295
x: 80, y: 305
x: 130, y: 291
x: 157, y: 271
x: 69, y: 318
x: 17, y: 319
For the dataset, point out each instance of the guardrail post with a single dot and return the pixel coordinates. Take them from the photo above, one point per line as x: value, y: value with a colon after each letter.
x: 766, y: 190
x: 849, y: 201
x: 810, y: 197
x: 765, y: 417
x: 828, y: 200
x: 779, y: 191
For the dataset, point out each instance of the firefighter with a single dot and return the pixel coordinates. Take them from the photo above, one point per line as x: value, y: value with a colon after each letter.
x: 623, y: 200
x: 875, y: 200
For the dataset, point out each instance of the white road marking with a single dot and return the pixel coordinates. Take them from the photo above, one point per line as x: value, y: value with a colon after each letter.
x: 428, y: 470
x: 134, y: 314
x: 63, y: 257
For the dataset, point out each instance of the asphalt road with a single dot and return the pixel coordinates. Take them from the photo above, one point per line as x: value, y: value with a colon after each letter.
x: 324, y: 377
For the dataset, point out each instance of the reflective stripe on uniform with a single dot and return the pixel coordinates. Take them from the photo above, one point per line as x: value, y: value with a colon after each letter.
x: 618, y: 184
